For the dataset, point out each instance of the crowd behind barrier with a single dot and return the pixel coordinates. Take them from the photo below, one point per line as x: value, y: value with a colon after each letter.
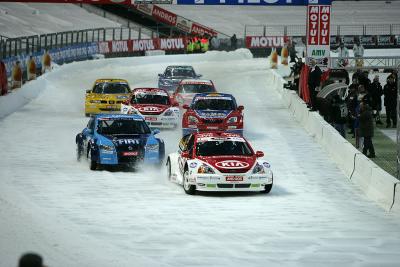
x: 377, y: 184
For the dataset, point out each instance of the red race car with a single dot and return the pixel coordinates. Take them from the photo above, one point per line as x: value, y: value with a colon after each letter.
x: 213, y: 112
x: 154, y: 105
x: 187, y: 88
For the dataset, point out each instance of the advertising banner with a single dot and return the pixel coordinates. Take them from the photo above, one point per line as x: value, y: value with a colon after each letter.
x: 183, y: 24
x: 200, y: 30
x: 164, y: 16
x: 129, y: 46
x: 265, y: 41
x: 386, y: 40
x: 103, y: 2
x: 254, y: 2
x: 145, y: 8
x: 318, y: 33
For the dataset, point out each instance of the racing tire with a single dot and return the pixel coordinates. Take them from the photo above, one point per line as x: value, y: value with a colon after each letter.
x: 87, y: 114
x: 267, y: 188
x: 169, y: 169
x: 79, y: 153
x: 189, y: 189
x: 93, y: 165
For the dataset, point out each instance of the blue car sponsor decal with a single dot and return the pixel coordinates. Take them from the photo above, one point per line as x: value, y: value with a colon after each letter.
x: 213, y: 114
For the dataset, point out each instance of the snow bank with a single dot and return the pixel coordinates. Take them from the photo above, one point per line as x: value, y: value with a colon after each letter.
x: 377, y: 184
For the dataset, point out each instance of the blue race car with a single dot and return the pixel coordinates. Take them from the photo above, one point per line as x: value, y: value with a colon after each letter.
x: 172, y: 75
x: 119, y: 140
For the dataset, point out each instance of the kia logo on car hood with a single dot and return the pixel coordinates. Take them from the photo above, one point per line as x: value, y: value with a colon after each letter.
x: 150, y: 109
x: 232, y: 164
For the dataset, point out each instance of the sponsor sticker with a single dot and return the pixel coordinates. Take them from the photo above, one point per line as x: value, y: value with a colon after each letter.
x: 193, y: 165
x: 150, y: 118
x: 266, y: 165
x: 234, y: 178
x: 130, y: 153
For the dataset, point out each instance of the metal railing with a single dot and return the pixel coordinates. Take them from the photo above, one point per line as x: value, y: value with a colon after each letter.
x: 30, y: 44
x: 369, y: 63
x: 300, y: 30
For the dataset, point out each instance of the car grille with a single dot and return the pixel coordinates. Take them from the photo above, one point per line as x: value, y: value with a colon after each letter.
x: 212, y: 121
x: 103, y: 101
x: 233, y: 170
x: 231, y: 185
x: 109, y: 109
x: 242, y: 185
x: 225, y: 185
x: 129, y: 148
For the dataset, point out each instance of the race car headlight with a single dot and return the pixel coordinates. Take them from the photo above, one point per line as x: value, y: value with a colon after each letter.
x: 258, y: 169
x: 233, y: 120
x: 168, y: 113
x: 192, y: 119
x: 122, y: 97
x: 205, y: 169
x: 95, y: 101
x: 132, y: 111
x: 106, y: 147
x: 153, y: 147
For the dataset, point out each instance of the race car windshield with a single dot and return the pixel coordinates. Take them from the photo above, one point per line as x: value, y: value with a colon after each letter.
x: 214, y: 104
x: 196, y: 88
x: 122, y: 127
x: 223, y: 148
x: 182, y: 72
x: 150, y: 99
x: 111, y: 88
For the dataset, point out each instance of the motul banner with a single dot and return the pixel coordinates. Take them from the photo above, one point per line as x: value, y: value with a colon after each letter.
x: 265, y: 41
x: 200, y: 30
x: 164, y: 15
x: 103, y: 2
x: 128, y: 46
x: 318, y: 32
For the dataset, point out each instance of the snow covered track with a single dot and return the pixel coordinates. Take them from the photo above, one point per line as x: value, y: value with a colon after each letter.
x: 73, y: 216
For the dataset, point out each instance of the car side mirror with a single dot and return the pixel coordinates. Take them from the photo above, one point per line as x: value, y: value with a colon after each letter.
x: 186, y: 106
x: 156, y: 131
x: 160, y: 75
x: 88, y: 91
x: 259, y: 154
x: 240, y: 108
x: 199, y: 75
x: 185, y: 154
x: 175, y: 104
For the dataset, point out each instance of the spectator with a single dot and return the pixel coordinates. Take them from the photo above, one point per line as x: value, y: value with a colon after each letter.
x: 292, y: 52
x: 343, y: 55
x: 390, y: 93
x: 233, y: 42
x: 358, y: 50
x: 16, y: 75
x: 30, y: 260
x: 352, y: 102
x: 314, y: 80
x: 3, y: 79
x: 367, y: 129
x: 376, y: 91
x: 204, y: 43
x: 214, y: 42
x: 339, y: 115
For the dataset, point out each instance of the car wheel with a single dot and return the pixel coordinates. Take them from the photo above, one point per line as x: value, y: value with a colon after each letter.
x: 189, y: 189
x: 169, y: 169
x: 78, y: 153
x: 267, y: 189
x: 87, y: 114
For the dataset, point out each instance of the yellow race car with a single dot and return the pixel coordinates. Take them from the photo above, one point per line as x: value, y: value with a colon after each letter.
x: 106, y: 96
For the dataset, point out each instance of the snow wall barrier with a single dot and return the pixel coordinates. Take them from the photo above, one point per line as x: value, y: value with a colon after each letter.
x: 376, y: 183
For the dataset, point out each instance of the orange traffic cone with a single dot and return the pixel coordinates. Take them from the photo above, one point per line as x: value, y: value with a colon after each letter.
x: 274, y: 59
x: 284, y: 55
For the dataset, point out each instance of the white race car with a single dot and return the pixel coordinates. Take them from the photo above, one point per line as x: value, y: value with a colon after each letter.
x: 215, y: 161
x: 155, y: 105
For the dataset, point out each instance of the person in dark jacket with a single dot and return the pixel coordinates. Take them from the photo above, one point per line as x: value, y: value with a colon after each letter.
x: 339, y: 115
x: 233, y: 42
x: 292, y: 52
x: 31, y: 260
x: 352, y: 103
x: 314, y: 81
x: 376, y: 92
x: 367, y: 129
x: 390, y: 92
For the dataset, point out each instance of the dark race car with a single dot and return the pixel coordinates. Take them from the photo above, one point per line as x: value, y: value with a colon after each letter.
x: 213, y: 112
x: 172, y: 75
x: 119, y: 140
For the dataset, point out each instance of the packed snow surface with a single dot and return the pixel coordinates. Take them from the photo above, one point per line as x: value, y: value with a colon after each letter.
x: 56, y: 206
